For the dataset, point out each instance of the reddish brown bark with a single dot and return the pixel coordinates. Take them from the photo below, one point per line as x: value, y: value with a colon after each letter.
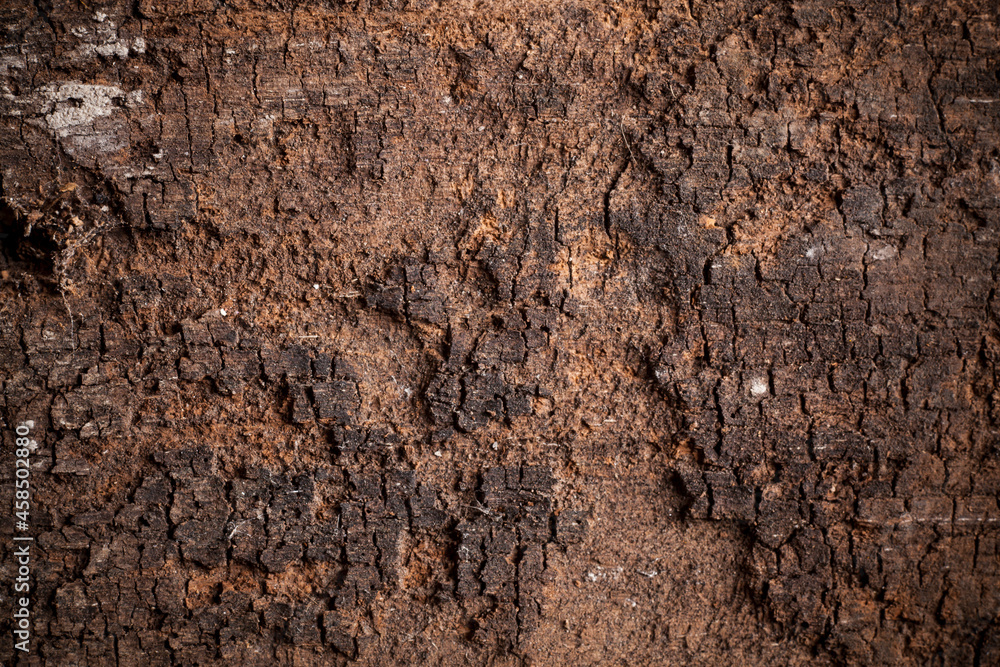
x: 541, y: 333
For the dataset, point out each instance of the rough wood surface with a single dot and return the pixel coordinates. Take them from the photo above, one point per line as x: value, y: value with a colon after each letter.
x: 544, y: 333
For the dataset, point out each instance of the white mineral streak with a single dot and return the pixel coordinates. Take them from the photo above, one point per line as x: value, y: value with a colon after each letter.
x: 103, y: 41
x: 83, y: 115
x: 8, y: 62
x: 118, y: 49
x: 885, y: 252
x: 69, y: 105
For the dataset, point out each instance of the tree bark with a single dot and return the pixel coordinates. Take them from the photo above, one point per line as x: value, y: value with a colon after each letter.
x: 542, y: 333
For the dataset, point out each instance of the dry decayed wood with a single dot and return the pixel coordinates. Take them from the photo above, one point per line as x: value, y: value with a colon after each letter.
x: 543, y: 333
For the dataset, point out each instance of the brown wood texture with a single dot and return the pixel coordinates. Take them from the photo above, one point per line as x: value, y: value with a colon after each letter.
x: 511, y: 333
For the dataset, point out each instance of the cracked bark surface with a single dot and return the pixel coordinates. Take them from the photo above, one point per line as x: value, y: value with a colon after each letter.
x: 530, y: 333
